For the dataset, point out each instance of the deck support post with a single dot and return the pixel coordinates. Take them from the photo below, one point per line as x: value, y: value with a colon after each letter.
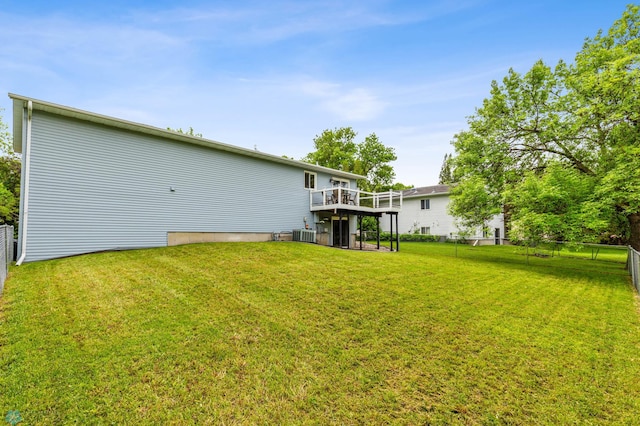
x: 397, y: 234
x: 340, y: 229
x: 391, y: 229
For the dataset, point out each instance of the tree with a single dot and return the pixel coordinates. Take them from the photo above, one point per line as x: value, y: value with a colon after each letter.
x: 371, y: 158
x: 446, y: 174
x: 335, y: 149
x: 555, y: 206
x: 583, y: 117
x: 9, y: 178
x: 373, y: 161
x: 6, y: 148
x: 7, y: 205
x: 472, y: 207
x: 398, y: 186
x: 189, y: 132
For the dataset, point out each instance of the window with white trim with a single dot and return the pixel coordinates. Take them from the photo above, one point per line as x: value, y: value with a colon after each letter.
x: 310, y: 179
x: 425, y: 204
x: 425, y: 230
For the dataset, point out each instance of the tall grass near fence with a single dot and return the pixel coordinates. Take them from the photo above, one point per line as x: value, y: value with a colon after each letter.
x: 549, y: 255
x: 6, y: 252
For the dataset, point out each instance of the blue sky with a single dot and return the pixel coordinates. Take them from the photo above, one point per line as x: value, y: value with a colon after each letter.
x: 274, y: 74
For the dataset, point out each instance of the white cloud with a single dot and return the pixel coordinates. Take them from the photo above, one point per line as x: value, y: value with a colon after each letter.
x: 346, y: 103
x: 249, y: 22
x: 355, y: 104
x: 55, y: 35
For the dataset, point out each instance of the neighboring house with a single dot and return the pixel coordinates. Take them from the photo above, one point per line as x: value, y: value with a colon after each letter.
x: 92, y: 182
x: 424, y: 211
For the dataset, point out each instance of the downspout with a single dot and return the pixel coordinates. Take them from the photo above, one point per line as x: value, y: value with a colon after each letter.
x: 25, y: 190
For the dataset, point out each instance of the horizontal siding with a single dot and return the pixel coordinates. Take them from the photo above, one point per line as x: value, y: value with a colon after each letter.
x: 97, y: 188
x: 436, y: 217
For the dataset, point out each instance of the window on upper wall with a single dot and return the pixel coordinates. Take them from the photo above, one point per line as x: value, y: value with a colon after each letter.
x: 424, y: 204
x: 310, y: 179
x: 425, y: 230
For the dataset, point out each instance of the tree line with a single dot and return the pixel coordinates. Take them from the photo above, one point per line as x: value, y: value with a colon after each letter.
x: 557, y: 149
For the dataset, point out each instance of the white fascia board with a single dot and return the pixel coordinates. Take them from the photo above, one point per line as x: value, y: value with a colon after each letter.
x: 431, y: 194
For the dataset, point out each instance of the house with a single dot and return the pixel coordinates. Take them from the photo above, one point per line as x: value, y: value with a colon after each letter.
x: 424, y: 211
x: 92, y: 182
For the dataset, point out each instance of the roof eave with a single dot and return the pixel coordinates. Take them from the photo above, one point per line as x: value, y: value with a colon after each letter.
x: 425, y: 195
x: 20, y: 102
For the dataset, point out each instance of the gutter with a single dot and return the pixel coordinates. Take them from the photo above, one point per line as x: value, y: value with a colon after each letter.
x: 25, y: 190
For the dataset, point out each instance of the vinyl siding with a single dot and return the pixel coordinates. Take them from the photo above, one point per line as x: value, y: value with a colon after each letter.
x: 96, y: 188
x: 437, y: 218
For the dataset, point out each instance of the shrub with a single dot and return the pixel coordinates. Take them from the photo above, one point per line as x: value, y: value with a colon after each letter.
x: 384, y: 236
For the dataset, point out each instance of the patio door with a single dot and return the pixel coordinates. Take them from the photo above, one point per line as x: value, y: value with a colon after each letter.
x: 340, y: 183
x: 335, y: 225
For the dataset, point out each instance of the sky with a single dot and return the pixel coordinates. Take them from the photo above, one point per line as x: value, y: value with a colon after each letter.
x: 272, y: 75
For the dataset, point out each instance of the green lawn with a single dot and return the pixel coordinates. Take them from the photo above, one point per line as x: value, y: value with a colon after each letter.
x: 292, y: 333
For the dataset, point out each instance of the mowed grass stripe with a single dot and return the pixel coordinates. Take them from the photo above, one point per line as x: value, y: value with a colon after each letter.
x: 297, y: 333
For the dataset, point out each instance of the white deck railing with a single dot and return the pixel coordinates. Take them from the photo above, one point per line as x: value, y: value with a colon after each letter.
x: 354, y: 199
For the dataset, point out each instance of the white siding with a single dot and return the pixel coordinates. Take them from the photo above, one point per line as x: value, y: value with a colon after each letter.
x: 440, y: 222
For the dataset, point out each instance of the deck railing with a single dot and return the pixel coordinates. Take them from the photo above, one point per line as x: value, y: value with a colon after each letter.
x: 354, y: 199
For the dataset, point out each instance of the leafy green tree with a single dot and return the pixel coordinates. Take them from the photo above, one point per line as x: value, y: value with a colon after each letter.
x: 373, y: 161
x: 189, y: 132
x: 337, y: 149
x: 9, y: 178
x: 6, y: 147
x: 446, y: 174
x: 398, y: 186
x: 583, y: 116
x: 473, y: 207
x: 555, y: 205
x: 7, y: 205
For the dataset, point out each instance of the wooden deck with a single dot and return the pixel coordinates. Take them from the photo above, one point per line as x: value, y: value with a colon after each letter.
x: 354, y: 200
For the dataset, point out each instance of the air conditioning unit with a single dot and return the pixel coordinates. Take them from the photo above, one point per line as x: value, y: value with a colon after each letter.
x: 304, y: 235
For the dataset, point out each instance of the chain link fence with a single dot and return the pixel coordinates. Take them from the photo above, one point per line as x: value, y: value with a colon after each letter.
x: 6, y: 252
x: 633, y: 263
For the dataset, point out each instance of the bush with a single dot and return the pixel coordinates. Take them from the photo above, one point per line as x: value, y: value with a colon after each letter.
x: 384, y: 236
